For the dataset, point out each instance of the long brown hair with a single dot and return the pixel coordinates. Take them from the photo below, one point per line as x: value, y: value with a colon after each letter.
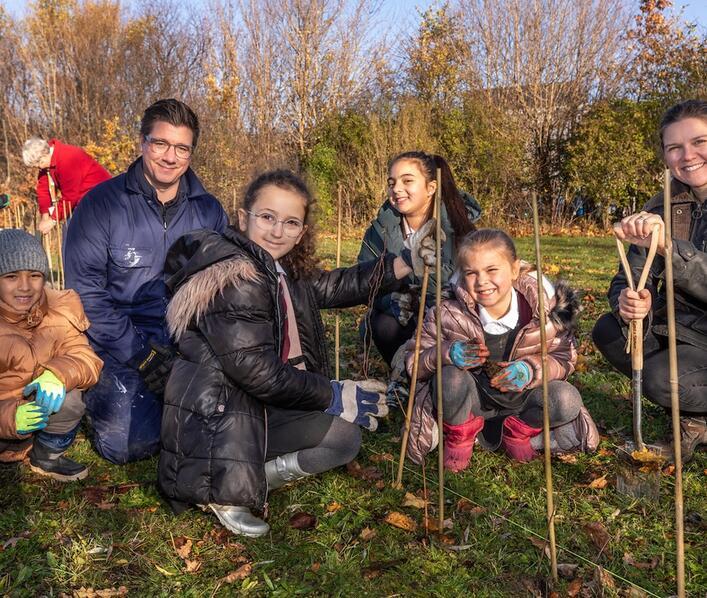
x: 428, y: 165
x: 301, y: 261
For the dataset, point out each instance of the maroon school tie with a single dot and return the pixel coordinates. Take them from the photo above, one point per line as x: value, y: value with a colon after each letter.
x: 285, y: 352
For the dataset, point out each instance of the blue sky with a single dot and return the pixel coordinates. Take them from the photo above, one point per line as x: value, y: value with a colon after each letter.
x: 694, y: 10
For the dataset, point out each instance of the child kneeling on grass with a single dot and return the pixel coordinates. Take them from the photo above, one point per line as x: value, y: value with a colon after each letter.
x: 45, y: 360
x: 249, y: 404
x: 491, y: 375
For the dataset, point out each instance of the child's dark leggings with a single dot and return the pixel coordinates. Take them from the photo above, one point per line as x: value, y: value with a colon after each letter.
x: 323, y: 441
x: 461, y: 398
x: 388, y: 335
x: 608, y: 336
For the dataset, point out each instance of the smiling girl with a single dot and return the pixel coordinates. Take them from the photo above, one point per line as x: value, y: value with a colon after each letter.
x: 491, y: 374
x: 250, y: 404
x: 411, y: 187
x: 683, y: 134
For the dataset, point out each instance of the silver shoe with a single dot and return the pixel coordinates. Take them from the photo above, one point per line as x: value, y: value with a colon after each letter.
x: 240, y: 520
x: 281, y: 470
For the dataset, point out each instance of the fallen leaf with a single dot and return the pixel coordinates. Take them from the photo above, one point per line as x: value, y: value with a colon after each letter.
x: 333, y: 507
x: 13, y: 541
x: 669, y: 470
x: 575, y: 587
x: 400, y: 520
x: 302, y: 520
x: 416, y: 502
x: 379, y: 458
x: 466, y: 506
x: 364, y: 473
x: 599, y: 483
x: 106, y: 593
x: 367, y: 534
x: 629, y: 560
x: 241, y: 573
x: 183, y: 546
x: 541, y: 544
x: 602, y: 452
x: 376, y: 568
x: 447, y: 539
x: 598, y: 534
x: 380, y: 484
x: 603, y: 580
x: 164, y: 571
x: 567, y: 458
x: 567, y: 570
x: 315, y: 567
x: 433, y: 524
x: 192, y: 566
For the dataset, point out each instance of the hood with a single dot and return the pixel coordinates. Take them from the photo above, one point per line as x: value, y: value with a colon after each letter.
x: 200, y: 265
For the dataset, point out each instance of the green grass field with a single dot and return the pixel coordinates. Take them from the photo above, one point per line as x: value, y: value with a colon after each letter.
x: 111, y: 534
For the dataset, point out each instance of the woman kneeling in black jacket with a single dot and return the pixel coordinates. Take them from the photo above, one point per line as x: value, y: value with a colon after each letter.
x: 249, y: 404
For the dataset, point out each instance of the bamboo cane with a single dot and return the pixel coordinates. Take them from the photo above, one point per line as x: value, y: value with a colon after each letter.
x: 59, y: 236
x: 438, y: 314
x: 413, y: 378
x: 546, y: 407
x: 337, y: 323
x: 674, y: 398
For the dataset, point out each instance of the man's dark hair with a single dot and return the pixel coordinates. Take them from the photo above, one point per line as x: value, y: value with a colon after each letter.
x: 171, y: 111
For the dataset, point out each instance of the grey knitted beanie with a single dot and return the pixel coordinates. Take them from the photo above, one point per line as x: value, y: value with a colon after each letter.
x: 21, y: 251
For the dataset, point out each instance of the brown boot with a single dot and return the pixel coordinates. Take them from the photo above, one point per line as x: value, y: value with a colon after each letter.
x: 693, y: 432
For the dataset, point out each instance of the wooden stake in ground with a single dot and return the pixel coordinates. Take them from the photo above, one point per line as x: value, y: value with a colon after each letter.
x: 546, y: 407
x: 413, y: 378
x: 337, y: 323
x: 674, y: 396
x: 438, y: 313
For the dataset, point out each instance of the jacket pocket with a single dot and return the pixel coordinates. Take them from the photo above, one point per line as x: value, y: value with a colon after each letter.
x: 196, y: 388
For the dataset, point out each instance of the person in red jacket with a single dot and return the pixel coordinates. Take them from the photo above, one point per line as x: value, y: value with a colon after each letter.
x: 66, y: 174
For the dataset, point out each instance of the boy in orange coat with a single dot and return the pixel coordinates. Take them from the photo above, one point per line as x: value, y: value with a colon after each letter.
x: 45, y: 360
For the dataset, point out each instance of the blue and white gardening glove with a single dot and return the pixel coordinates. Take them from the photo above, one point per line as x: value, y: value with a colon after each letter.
x: 401, y: 304
x: 359, y: 402
x: 421, y: 248
x: 51, y: 391
x: 514, y: 377
x: 30, y: 417
x: 467, y: 355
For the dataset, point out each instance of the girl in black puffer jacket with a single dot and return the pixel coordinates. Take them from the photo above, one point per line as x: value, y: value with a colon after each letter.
x: 249, y: 404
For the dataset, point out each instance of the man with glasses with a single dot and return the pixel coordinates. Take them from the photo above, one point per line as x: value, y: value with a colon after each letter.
x: 115, y: 251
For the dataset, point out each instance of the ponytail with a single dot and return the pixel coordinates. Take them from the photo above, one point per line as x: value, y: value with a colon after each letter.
x: 452, y: 198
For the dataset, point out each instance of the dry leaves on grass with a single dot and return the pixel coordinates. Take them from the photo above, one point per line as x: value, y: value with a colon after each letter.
x: 401, y: 521
x: 379, y: 458
x: 333, y: 507
x: 599, y: 483
x: 543, y: 545
x: 649, y: 566
x: 375, y: 569
x: 182, y: 546
x: 570, y: 458
x: 367, y: 534
x: 567, y: 570
x: 416, y: 502
x: 433, y: 524
x: 575, y: 587
x: 91, y: 593
x: 364, y: 473
x: 302, y: 521
x: 466, y: 506
x: 241, y: 573
x: 598, y: 534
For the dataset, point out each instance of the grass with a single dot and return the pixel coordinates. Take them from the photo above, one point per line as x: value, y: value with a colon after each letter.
x: 112, y: 530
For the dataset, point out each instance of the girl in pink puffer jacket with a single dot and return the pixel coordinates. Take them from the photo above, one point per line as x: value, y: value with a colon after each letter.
x: 492, y: 377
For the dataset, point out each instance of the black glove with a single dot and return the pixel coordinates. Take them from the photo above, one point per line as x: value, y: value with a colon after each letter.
x: 155, y: 368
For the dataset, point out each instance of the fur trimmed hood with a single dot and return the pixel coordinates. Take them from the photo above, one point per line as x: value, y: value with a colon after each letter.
x: 196, y: 295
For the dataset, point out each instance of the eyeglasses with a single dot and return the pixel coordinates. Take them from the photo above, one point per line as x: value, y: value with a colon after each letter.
x: 266, y: 222
x: 160, y: 146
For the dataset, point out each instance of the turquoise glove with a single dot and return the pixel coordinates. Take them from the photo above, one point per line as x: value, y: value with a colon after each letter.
x: 468, y: 354
x: 514, y: 377
x: 30, y: 417
x: 50, y: 391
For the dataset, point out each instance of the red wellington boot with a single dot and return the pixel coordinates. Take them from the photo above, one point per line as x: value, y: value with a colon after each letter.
x: 516, y: 439
x: 459, y: 442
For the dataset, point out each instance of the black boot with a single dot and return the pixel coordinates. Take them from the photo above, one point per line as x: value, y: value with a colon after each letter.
x: 47, y: 462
